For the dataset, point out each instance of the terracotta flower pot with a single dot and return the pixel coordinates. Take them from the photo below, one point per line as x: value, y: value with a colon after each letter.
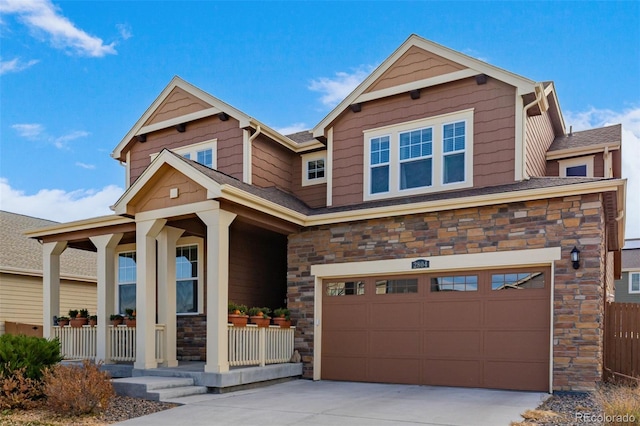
x: 93, y: 323
x: 130, y: 322
x: 260, y: 321
x: 282, y: 322
x: 238, y: 320
x: 117, y: 322
x: 78, y: 322
x: 63, y: 323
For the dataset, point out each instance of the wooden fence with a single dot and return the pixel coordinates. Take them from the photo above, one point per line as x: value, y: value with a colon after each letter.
x: 622, y: 341
x: 21, y: 328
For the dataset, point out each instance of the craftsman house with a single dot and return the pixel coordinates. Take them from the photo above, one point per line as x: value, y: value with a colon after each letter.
x: 442, y: 225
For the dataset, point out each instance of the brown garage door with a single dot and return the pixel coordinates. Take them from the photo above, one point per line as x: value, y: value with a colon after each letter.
x: 485, y: 329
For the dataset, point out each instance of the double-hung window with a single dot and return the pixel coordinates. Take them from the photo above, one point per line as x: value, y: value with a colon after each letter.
x: 380, y: 164
x: 421, y: 156
x: 416, y: 158
x: 126, y: 281
x: 634, y: 282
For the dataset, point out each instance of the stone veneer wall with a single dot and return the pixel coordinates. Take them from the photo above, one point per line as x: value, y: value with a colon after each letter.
x: 191, y: 338
x: 557, y: 222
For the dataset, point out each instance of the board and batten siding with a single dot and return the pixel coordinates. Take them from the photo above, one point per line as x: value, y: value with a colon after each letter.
x: 227, y: 133
x: 494, y: 131
x: 539, y: 136
x: 21, y: 298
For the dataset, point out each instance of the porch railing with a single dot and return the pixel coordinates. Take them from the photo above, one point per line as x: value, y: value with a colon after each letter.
x: 81, y: 343
x: 252, y: 345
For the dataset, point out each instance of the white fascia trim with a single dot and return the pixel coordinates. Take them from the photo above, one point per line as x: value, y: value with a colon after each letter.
x: 165, y: 157
x: 260, y: 204
x: 38, y: 273
x: 178, y: 120
x: 458, y: 262
x: 78, y: 225
x: 407, y: 87
x: 583, y: 150
x: 247, y: 157
x: 290, y: 144
x: 181, y: 210
x: 523, y: 84
x: 551, y: 89
x: 329, y: 167
x: 520, y: 130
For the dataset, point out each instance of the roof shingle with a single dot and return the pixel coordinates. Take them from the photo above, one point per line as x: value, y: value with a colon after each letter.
x: 602, y: 135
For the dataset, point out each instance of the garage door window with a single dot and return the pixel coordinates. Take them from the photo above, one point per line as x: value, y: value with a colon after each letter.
x: 517, y: 281
x: 396, y: 286
x: 455, y: 283
x: 347, y: 288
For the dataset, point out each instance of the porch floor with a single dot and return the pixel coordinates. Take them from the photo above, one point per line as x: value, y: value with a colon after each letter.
x: 235, y: 379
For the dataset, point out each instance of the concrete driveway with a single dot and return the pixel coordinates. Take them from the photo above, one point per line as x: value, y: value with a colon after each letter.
x: 304, y: 402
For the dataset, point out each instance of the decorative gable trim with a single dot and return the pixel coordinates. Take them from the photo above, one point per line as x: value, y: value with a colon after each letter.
x: 121, y: 207
x: 475, y: 66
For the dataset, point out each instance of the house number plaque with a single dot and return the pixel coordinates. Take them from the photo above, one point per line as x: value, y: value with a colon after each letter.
x: 420, y: 264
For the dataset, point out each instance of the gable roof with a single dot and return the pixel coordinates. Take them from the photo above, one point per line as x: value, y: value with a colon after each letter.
x: 473, y: 67
x: 143, y: 125
x: 23, y: 255
x: 610, y: 136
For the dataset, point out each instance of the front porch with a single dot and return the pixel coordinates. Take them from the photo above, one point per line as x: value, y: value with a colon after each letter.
x: 256, y: 354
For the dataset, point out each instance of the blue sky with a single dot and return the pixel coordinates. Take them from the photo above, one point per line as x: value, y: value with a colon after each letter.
x: 76, y: 75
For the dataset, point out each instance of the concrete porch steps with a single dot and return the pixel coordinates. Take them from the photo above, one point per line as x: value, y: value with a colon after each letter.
x: 157, y: 388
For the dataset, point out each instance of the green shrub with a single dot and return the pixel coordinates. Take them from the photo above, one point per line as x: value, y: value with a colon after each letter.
x: 33, y: 354
x: 76, y: 390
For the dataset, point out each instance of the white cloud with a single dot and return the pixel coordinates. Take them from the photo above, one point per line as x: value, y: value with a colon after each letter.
x: 630, y: 120
x: 337, y: 88
x: 59, y: 205
x: 16, y: 65
x: 29, y: 130
x: 475, y: 54
x: 293, y: 128
x: 85, y: 165
x: 125, y: 31
x: 41, y: 16
x: 36, y: 131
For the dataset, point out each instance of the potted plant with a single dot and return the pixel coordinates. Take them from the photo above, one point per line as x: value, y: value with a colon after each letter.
x: 238, y: 315
x: 93, y: 320
x: 80, y: 318
x: 63, y: 321
x: 116, y: 319
x: 130, y: 318
x: 282, y: 317
x: 260, y: 316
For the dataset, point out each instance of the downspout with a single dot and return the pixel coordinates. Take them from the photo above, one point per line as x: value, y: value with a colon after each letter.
x: 256, y: 134
x: 248, y: 154
x: 539, y: 91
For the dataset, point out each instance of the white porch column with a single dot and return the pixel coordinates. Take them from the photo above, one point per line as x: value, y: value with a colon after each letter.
x: 217, y: 222
x: 146, y: 233
x: 51, y: 284
x: 106, y: 245
x: 167, y: 240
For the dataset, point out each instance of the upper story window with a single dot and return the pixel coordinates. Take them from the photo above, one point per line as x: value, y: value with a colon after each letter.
x: 577, y: 167
x: 202, y: 152
x: 421, y: 156
x: 314, y: 168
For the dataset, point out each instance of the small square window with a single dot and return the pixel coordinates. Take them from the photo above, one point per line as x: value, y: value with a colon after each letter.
x: 314, y: 168
x: 205, y: 157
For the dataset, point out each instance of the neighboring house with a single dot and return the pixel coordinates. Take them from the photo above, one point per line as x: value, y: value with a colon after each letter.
x: 21, y: 273
x: 628, y: 286
x: 420, y: 233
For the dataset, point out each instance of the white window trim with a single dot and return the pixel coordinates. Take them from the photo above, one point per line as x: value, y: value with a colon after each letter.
x: 193, y: 149
x: 314, y: 156
x: 436, y: 123
x: 578, y: 161
x: 631, y: 274
x: 191, y: 241
x: 124, y: 248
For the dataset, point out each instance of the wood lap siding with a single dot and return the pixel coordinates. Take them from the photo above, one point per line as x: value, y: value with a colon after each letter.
x: 313, y: 195
x: 178, y: 103
x: 494, y: 126
x: 272, y: 164
x: 415, y: 64
x: 21, y: 298
x: 229, y: 136
x: 539, y: 134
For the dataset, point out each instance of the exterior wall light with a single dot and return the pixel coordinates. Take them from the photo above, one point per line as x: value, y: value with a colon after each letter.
x: 575, y: 257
